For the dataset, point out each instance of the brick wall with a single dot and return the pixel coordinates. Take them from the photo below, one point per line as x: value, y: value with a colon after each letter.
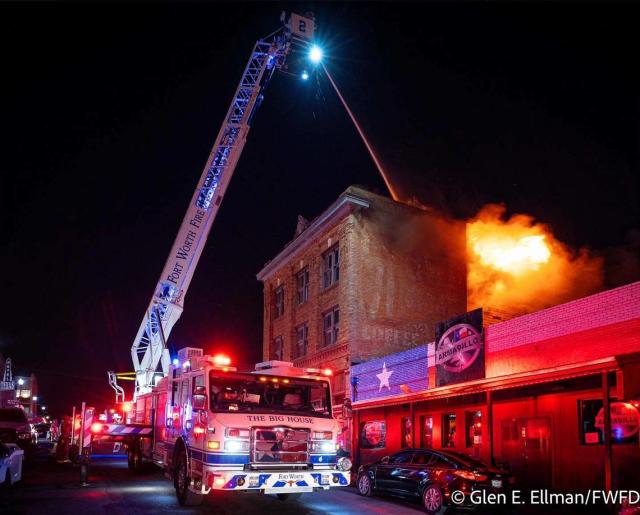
x: 320, y: 300
x: 409, y: 273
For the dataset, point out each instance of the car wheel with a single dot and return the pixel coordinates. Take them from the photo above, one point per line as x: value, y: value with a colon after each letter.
x: 288, y: 497
x: 182, y: 481
x: 365, y: 488
x: 432, y: 499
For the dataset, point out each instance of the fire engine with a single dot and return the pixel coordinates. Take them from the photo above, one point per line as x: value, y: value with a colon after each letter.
x: 212, y: 427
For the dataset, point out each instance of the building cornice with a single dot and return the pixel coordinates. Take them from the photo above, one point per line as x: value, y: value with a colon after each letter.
x: 345, y: 204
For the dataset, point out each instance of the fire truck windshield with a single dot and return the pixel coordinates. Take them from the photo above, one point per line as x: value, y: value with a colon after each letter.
x: 248, y: 393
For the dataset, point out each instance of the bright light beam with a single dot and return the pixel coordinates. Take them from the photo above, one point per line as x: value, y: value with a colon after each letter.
x: 394, y: 195
x: 315, y: 54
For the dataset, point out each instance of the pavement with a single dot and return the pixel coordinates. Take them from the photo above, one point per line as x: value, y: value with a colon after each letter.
x: 52, y: 488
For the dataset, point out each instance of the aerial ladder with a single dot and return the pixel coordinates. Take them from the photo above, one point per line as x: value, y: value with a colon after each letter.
x: 149, y: 351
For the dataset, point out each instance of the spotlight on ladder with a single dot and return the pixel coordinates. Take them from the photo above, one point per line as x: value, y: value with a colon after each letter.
x: 315, y: 54
x: 305, y: 75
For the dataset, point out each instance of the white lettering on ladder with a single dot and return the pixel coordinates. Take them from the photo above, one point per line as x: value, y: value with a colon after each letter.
x: 184, y: 251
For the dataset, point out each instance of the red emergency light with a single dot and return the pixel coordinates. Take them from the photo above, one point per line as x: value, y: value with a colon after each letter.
x: 221, y: 360
x: 126, y: 407
x: 96, y: 427
x: 327, y: 371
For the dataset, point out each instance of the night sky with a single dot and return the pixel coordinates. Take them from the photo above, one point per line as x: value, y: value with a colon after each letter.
x: 109, y: 112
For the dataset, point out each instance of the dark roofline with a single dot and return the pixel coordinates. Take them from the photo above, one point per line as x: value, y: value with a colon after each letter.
x: 346, y: 203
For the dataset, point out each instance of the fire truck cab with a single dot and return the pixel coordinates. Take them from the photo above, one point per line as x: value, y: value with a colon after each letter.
x: 270, y: 430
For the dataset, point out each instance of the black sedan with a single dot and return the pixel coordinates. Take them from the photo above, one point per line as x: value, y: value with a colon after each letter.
x: 43, y: 429
x: 433, y: 476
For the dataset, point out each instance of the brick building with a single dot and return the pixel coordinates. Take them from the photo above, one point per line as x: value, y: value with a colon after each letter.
x: 367, y: 277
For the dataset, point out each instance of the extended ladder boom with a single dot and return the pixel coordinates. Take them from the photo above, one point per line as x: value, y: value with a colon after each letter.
x: 149, y: 347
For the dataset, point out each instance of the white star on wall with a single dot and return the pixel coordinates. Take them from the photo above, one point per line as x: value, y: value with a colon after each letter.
x: 384, y: 376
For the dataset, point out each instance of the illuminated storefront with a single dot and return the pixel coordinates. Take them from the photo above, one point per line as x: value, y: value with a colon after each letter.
x: 536, y: 402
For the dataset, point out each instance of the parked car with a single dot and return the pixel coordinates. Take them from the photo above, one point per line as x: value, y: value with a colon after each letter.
x: 432, y: 476
x: 15, y: 428
x: 43, y: 428
x: 11, y: 459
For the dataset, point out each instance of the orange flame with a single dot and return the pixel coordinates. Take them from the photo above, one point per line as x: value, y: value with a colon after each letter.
x: 517, y: 265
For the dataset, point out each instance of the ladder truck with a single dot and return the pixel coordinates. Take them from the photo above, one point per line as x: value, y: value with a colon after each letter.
x: 149, y: 350
x: 209, y: 426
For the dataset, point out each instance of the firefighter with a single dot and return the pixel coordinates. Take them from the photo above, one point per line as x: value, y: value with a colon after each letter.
x: 62, y: 449
x: 54, y: 430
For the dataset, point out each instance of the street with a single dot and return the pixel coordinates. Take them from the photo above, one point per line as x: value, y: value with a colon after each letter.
x: 52, y: 488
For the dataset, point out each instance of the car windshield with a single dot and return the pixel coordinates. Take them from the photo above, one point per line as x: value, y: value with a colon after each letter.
x: 250, y: 393
x: 12, y: 415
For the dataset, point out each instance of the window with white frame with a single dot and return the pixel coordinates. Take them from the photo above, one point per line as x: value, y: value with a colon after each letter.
x: 278, y: 348
x: 330, y: 323
x: 278, y: 302
x: 331, y: 266
x: 302, y: 340
x: 302, y: 284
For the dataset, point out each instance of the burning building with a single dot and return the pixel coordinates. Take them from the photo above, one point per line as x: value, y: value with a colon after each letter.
x: 364, y: 288
x: 367, y: 277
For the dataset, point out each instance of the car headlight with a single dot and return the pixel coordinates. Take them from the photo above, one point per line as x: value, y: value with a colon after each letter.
x: 325, y: 447
x: 236, y: 445
x: 344, y: 464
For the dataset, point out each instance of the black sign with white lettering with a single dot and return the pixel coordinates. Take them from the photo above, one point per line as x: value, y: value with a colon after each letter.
x: 459, y: 353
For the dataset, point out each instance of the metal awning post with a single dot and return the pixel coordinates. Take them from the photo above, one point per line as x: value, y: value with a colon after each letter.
x: 489, y: 429
x: 412, y: 411
x: 608, y: 465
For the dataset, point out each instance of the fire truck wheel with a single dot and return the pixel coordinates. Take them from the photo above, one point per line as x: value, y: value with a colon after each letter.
x: 182, y: 480
x: 289, y: 497
x: 134, y: 456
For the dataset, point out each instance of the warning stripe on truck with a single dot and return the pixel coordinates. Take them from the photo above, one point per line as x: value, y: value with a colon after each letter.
x: 87, y: 418
x: 125, y: 429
